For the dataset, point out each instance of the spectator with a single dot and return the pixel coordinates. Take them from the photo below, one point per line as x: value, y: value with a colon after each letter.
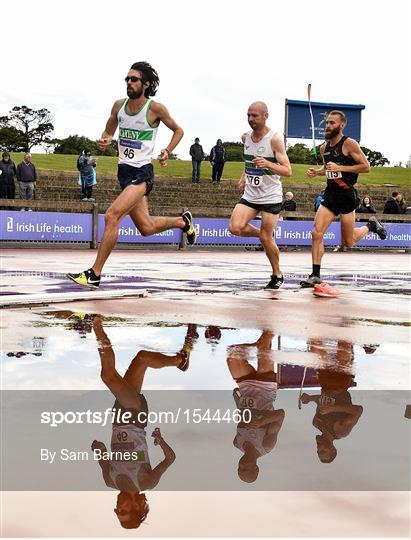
x: 318, y: 200
x: 87, y: 167
x: 289, y: 205
x: 217, y: 159
x: 391, y: 206
x: 7, y: 176
x: 402, y: 205
x: 27, y: 176
x: 366, y: 206
x: 197, y: 156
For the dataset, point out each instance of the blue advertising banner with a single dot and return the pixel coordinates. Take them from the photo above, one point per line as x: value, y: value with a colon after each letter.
x: 53, y: 226
x: 128, y: 232
x: 298, y: 233
x: 46, y: 226
x: 298, y: 123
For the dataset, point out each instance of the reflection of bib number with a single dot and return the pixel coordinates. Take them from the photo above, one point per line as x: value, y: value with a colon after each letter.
x: 122, y: 435
x: 253, y: 180
x: 327, y: 400
x: 129, y: 153
x: 247, y: 402
x: 333, y: 174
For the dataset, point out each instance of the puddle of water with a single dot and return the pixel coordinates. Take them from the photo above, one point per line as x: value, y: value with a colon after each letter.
x: 317, y: 410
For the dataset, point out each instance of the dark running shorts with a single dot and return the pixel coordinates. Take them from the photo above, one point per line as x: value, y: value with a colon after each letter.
x: 132, y: 176
x: 273, y: 208
x: 134, y: 413
x: 268, y: 376
x: 340, y: 202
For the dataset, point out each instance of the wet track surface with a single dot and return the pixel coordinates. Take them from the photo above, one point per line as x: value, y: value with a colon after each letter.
x: 341, y: 382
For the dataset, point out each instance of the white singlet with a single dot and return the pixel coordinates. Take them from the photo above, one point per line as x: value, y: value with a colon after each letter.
x: 128, y: 438
x: 136, y: 136
x: 260, y: 396
x: 262, y: 186
x: 257, y: 395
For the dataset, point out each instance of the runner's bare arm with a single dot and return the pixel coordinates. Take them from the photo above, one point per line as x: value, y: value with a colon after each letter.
x: 169, y: 458
x: 104, y: 463
x: 352, y: 149
x: 344, y: 427
x: 282, y: 167
x: 160, y: 113
x: 312, y: 173
x: 272, y: 430
x: 111, y: 126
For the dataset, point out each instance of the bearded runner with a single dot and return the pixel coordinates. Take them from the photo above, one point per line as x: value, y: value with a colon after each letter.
x: 137, y: 118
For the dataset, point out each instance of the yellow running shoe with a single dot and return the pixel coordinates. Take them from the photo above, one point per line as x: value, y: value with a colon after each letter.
x: 87, y: 279
x: 189, y: 227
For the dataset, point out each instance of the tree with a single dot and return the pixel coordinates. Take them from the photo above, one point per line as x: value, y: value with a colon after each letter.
x: 11, y: 139
x: 234, y: 151
x: 75, y: 144
x: 33, y: 126
x: 375, y: 159
x: 298, y: 153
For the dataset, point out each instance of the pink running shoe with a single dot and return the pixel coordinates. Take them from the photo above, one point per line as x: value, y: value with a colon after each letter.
x: 325, y: 290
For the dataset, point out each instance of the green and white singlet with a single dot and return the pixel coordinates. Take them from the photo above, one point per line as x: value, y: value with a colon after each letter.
x: 137, y: 136
x: 262, y: 186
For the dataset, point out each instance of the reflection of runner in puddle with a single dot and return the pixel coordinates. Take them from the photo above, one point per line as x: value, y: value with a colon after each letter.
x: 335, y: 415
x: 134, y: 475
x: 257, y: 391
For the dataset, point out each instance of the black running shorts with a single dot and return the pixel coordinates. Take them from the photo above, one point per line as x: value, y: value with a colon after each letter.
x: 343, y: 201
x: 272, y: 208
x: 267, y: 376
x: 132, y: 176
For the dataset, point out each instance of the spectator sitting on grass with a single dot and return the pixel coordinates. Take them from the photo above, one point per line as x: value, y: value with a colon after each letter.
x: 366, y: 206
x: 391, y: 206
x: 289, y: 204
x: 402, y: 205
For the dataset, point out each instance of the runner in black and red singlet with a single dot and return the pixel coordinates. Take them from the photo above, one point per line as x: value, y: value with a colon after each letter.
x: 343, y: 160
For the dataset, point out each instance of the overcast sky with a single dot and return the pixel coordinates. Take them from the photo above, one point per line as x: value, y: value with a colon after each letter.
x: 214, y: 58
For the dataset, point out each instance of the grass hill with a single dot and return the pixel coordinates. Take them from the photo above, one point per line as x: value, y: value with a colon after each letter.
x: 396, y: 176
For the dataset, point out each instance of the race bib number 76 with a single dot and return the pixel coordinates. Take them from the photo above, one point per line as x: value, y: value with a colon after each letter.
x: 253, y: 180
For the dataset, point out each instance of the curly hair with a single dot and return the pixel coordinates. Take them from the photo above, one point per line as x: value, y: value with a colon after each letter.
x: 148, y: 74
x: 138, y: 515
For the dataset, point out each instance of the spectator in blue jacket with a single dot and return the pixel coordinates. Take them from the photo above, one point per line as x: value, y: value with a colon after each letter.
x: 87, y: 165
x: 217, y: 160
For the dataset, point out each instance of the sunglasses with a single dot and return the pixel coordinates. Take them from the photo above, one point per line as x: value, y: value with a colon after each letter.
x: 133, y: 79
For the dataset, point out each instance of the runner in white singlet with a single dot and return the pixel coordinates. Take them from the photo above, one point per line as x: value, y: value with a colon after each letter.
x: 138, y: 118
x: 265, y: 162
x: 127, y: 467
x: 256, y: 394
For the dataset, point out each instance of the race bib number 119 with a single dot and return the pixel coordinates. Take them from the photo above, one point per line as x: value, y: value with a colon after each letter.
x: 333, y: 174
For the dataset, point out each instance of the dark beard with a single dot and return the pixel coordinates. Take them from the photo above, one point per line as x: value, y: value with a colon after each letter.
x: 331, y: 134
x: 134, y: 94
